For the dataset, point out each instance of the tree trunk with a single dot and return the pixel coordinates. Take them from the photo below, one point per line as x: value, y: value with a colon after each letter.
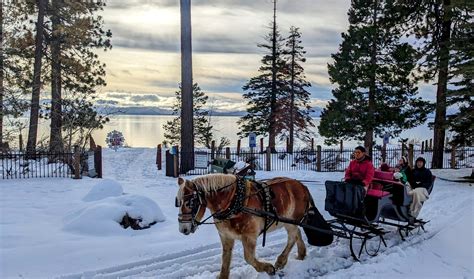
x: 55, y: 139
x: 36, y: 88
x: 292, y: 101
x: 369, y: 132
x: 272, y: 124
x: 1, y: 74
x: 440, y: 116
x: 187, y: 126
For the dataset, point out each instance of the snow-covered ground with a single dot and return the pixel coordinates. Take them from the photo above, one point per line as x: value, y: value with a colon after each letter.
x: 67, y: 228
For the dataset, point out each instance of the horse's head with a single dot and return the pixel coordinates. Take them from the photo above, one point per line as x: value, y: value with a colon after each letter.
x: 191, y: 206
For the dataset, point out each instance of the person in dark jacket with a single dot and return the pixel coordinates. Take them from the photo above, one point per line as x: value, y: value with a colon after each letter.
x: 360, y: 170
x: 421, y: 175
x: 422, y: 179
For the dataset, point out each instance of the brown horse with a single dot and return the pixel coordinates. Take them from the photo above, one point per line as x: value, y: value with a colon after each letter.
x: 218, y: 192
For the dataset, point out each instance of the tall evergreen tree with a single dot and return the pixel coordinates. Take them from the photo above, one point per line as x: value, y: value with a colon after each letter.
x: 15, y: 64
x: 296, y: 101
x: 73, y: 31
x: 434, y: 23
x: 202, y: 127
x: 375, y: 93
x: 461, y: 92
x: 266, y: 90
x: 76, y: 33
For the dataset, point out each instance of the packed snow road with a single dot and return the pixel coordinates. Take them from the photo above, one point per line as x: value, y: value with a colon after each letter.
x: 35, y: 243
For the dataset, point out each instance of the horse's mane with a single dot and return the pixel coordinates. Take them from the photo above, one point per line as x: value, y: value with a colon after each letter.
x: 213, y: 182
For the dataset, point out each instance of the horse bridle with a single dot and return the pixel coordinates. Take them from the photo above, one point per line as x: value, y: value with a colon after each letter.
x: 196, y: 201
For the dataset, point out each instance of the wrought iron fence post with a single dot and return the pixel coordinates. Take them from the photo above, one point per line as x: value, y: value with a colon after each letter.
x: 77, y: 163
x: 98, y: 160
x: 318, y: 158
x: 269, y: 159
x: 238, y: 148
x: 158, y: 157
x: 176, y: 162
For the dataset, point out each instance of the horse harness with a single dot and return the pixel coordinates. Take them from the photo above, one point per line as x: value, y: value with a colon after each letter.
x: 237, y: 205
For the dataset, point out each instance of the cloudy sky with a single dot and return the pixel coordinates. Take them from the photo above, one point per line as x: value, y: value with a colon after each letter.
x: 143, y: 68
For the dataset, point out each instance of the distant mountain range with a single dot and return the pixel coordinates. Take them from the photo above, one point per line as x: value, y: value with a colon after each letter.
x: 160, y: 111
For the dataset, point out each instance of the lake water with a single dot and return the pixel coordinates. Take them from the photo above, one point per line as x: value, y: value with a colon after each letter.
x: 147, y: 130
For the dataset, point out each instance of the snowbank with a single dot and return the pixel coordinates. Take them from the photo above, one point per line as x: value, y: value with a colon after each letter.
x: 102, y: 218
x: 105, y: 188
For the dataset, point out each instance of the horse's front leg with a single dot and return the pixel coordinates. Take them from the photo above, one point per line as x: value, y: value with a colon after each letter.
x: 227, y: 247
x: 292, y: 236
x: 249, y: 243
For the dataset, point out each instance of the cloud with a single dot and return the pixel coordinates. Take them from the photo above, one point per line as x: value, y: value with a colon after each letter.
x: 145, y: 61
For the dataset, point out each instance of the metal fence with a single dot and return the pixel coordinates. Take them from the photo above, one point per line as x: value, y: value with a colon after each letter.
x: 41, y: 164
x: 327, y: 160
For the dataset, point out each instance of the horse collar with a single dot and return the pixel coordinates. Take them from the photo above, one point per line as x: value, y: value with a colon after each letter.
x: 236, y: 204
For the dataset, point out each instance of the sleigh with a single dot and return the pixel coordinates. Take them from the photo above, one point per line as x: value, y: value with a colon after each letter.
x: 363, y: 218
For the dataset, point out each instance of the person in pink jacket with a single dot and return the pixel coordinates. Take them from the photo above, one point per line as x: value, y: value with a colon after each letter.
x: 360, y: 170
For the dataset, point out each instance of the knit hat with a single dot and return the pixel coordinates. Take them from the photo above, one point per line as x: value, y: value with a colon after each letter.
x: 361, y: 148
x: 404, y: 159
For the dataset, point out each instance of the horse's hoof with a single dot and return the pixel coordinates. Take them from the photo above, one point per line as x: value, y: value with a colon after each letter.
x: 270, y: 269
x: 301, y: 257
x: 280, y: 263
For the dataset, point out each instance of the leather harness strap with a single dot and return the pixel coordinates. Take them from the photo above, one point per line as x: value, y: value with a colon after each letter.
x: 237, y: 205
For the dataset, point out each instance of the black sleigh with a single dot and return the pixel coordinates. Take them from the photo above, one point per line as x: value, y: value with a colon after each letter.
x: 364, y: 218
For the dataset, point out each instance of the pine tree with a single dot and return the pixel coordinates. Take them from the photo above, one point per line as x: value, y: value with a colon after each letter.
x: 461, y: 92
x: 375, y: 93
x: 73, y: 31
x: 202, y: 126
x: 14, y: 88
x: 76, y: 33
x: 296, y: 101
x: 264, y: 92
x: 434, y: 23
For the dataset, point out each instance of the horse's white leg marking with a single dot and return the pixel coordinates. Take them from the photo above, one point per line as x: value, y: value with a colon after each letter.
x: 227, y: 247
x: 249, y: 243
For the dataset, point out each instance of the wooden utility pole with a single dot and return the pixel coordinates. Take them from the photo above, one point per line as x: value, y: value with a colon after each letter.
x: 187, y: 127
